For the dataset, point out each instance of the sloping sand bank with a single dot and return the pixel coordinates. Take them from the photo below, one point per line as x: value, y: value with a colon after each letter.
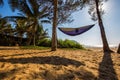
x: 17, y: 64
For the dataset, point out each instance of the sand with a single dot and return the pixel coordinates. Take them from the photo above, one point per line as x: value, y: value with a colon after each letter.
x: 17, y: 64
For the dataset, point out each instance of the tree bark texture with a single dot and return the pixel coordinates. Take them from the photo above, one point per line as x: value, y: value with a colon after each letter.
x: 118, y: 51
x: 103, y: 35
x: 54, y: 33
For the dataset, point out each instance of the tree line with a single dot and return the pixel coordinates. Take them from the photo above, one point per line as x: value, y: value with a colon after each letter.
x: 32, y: 13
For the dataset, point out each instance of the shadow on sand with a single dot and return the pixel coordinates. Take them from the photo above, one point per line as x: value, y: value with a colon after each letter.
x: 106, y: 69
x: 8, y: 73
x: 54, y: 60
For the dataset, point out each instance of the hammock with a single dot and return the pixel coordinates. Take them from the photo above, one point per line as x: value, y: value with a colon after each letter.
x: 75, y: 31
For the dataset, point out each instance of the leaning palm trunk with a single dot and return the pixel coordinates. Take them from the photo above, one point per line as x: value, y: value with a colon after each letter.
x: 54, y: 33
x: 104, y: 39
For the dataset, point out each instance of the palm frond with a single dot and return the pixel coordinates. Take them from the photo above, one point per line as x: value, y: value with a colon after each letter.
x: 34, y: 7
x: 13, y: 18
x: 2, y: 23
x: 21, y: 5
x: 20, y: 17
x: 45, y: 21
x: 45, y: 15
x: 21, y: 14
x: 43, y: 10
x: 13, y: 4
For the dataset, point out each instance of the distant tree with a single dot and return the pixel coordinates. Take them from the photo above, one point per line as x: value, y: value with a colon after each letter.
x: 20, y: 29
x: 96, y: 13
x: 5, y: 31
x: 5, y: 27
x: 23, y: 30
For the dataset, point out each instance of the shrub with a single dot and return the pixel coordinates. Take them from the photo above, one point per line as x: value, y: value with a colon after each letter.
x: 69, y: 44
x: 44, y: 42
x: 61, y: 43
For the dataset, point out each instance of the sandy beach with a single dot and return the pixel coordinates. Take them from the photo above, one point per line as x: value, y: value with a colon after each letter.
x: 63, y: 64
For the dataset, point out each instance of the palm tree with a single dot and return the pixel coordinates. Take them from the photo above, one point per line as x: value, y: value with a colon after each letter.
x: 103, y: 35
x: 20, y: 29
x: 32, y: 13
x: 5, y: 27
x: 23, y: 30
x: 6, y: 30
x: 96, y: 12
x: 54, y: 34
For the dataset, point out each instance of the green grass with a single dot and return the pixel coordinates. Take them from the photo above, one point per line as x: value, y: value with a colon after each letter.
x: 34, y: 47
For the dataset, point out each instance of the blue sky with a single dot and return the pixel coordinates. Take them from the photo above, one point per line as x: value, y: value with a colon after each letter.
x: 92, y: 37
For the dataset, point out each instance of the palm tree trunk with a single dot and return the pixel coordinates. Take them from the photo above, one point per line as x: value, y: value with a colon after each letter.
x: 29, y: 39
x: 103, y: 35
x: 54, y: 33
x: 34, y: 39
x: 34, y: 32
x: 118, y: 51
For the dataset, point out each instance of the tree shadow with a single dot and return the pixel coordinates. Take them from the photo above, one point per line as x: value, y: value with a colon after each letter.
x: 69, y: 74
x: 54, y: 60
x: 9, y: 73
x: 106, y: 69
x: 77, y: 75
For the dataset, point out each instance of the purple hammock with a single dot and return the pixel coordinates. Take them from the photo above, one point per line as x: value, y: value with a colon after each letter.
x: 75, y: 31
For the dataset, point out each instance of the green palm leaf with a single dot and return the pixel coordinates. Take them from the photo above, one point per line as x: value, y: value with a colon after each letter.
x: 45, y: 21
x: 44, y: 15
x: 13, y: 18
x: 34, y: 6
x: 21, y: 5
